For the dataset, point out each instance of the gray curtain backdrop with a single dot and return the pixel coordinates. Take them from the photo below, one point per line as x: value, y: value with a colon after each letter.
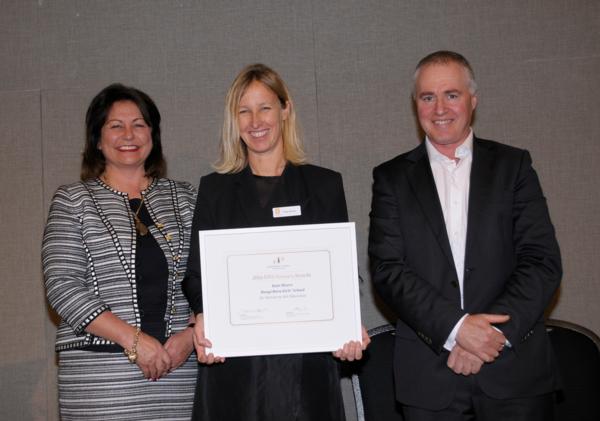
x: 349, y: 66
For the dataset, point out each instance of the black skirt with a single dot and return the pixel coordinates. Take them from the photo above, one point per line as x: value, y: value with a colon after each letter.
x: 295, y: 387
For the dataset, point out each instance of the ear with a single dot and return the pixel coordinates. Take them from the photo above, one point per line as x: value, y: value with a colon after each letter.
x: 473, y: 101
x: 285, y: 112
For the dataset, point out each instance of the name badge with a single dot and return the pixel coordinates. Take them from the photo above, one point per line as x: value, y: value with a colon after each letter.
x: 286, y: 211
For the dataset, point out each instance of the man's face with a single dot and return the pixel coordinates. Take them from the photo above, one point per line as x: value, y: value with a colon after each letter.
x: 444, y: 104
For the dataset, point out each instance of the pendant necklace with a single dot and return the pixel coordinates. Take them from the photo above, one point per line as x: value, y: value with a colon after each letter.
x: 140, y: 227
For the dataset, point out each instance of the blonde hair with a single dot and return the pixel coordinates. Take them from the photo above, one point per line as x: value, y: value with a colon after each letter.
x: 233, y: 152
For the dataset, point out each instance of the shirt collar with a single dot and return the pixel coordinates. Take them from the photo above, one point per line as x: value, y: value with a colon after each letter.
x: 464, y: 150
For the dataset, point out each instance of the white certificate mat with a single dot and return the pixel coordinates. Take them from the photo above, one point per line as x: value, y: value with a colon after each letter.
x: 280, y: 290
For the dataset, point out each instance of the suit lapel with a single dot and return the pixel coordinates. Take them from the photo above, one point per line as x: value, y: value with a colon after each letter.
x: 482, y: 171
x: 295, y: 194
x: 421, y: 180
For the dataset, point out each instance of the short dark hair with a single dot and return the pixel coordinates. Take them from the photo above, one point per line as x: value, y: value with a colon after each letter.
x: 445, y: 57
x: 93, y: 162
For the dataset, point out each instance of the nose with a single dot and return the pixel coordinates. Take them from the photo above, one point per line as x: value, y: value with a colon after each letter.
x: 255, y: 117
x: 255, y: 120
x: 128, y: 132
x: 440, y: 106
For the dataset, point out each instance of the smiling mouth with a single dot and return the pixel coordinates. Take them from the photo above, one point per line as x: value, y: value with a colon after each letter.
x: 260, y: 133
x: 442, y: 122
x: 128, y: 148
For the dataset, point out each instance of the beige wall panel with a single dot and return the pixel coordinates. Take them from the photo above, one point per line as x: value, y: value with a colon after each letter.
x: 177, y: 43
x: 19, y: 45
x: 185, y: 55
x: 63, y: 116
x: 190, y: 130
x: 22, y: 308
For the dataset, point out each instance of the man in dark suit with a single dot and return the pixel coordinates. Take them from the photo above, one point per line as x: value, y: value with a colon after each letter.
x: 463, y: 250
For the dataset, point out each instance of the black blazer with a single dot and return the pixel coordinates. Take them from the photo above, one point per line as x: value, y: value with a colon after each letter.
x: 512, y: 266
x: 231, y: 201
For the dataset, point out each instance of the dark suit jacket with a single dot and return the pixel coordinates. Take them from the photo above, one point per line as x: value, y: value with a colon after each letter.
x: 512, y: 266
x: 231, y: 201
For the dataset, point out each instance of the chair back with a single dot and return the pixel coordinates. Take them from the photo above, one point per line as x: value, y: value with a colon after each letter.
x: 373, y: 380
x: 577, y: 351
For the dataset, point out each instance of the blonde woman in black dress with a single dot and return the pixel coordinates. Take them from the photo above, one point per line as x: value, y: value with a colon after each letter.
x: 263, y: 166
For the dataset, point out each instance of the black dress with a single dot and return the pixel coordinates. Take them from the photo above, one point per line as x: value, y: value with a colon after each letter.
x: 299, y: 387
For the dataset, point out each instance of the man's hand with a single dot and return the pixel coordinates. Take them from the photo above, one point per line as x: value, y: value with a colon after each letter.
x: 479, y: 337
x: 463, y: 362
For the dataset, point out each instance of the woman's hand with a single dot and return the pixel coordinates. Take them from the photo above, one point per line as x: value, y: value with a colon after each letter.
x: 201, y: 343
x: 152, y: 358
x: 353, y: 350
x: 179, y: 347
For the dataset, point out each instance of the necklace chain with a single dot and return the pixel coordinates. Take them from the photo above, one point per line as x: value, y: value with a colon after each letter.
x: 140, y: 227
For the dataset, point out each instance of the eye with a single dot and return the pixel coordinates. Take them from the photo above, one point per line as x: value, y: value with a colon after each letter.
x: 427, y: 98
x: 141, y: 125
x: 243, y: 111
x: 115, y: 126
x: 266, y: 107
x: 452, y: 96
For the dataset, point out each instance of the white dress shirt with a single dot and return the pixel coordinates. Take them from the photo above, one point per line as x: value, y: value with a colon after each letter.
x: 452, y: 180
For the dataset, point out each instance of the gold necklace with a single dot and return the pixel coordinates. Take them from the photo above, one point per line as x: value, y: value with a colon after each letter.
x: 140, y: 227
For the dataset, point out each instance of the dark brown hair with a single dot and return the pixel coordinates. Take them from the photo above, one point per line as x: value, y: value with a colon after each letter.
x: 93, y: 162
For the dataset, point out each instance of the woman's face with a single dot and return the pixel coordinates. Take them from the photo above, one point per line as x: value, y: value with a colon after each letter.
x: 260, y: 121
x: 126, y: 138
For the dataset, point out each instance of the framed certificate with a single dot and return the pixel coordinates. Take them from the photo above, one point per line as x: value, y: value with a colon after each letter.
x: 280, y: 290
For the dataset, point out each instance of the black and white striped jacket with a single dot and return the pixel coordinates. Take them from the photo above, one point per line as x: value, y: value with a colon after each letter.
x: 88, y: 255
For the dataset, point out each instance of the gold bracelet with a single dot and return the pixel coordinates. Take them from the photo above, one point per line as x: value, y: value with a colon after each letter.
x: 131, y: 354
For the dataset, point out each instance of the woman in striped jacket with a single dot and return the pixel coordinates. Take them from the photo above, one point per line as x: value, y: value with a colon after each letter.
x: 114, y: 253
